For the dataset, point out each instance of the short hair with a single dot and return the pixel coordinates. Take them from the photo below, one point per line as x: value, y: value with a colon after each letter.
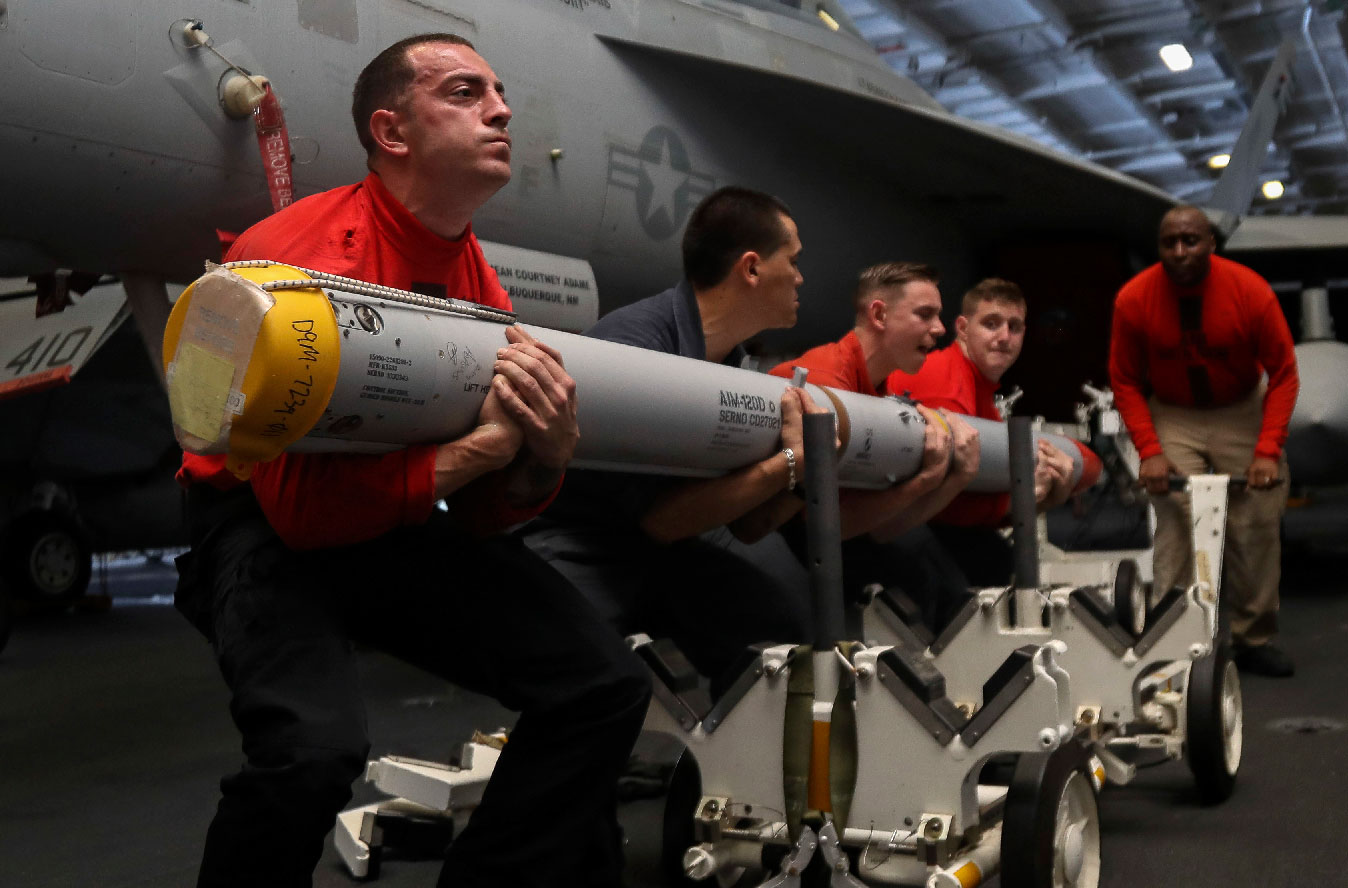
x: 890, y: 274
x: 728, y: 223
x: 384, y: 82
x: 992, y: 290
x: 1188, y: 209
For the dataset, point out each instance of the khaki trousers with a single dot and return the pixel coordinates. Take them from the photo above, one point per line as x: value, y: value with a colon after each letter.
x: 1222, y: 440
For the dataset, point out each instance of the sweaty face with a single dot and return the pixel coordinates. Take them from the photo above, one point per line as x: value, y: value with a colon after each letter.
x: 778, y: 277
x: 912, y: 324
x: 993, y: 336
x: 454, y: 121
x: 1186, y: 244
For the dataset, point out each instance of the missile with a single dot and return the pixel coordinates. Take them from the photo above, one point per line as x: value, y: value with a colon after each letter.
x: 1317, y: 433
x: 262, y: 358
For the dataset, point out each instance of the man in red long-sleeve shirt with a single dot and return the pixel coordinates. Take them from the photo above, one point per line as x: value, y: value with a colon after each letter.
x: 318, y: 550
x: 1193, y: 337
x: 962, y: 378
x: 898, y: 320
x: 897, y: 324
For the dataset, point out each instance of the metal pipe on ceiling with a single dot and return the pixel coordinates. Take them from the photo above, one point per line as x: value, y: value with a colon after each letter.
x: 1201, y: 142
x: 1320, y: 68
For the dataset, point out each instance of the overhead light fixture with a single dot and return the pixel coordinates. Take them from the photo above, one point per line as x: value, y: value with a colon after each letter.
x: 1176, y: 57
x: 1272, y: 189
x: 828, y: 19
x: 1219, y: 161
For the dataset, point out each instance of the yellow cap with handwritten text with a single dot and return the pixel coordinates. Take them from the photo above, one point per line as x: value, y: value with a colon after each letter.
x: 251, y: 356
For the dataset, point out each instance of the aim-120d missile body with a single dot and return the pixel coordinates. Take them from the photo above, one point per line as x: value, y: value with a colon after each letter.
x: 262, y: 358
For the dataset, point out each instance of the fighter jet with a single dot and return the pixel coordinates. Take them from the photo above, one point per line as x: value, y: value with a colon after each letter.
x: 131, y: 144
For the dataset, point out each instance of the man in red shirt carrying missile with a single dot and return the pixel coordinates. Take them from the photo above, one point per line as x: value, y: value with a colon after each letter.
x: 897, y: 323
x: 317, y: 551
x: 962, y: 378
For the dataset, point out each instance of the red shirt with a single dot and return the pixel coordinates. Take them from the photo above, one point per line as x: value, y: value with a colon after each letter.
x: 331, y: 499
x: 1203, y: 346
x: 839, y: 365
x: 949, y: 380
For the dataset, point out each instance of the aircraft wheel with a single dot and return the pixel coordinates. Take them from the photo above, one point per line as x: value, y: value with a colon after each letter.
x: 47, y: 557
x: 1051, y: 824
x: 1130, y: 598
x: 1215, y: 716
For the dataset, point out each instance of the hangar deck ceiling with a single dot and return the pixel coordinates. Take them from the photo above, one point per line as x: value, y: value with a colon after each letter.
x: 1086, y: 77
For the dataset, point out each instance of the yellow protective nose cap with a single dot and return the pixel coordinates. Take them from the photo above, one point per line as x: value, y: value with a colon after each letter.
x: 250, y: 370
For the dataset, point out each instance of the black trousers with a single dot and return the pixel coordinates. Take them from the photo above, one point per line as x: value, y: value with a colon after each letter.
x: 914, y: 562
x: 935, y: 565
x: 485, y: 614
x: 983, y: 554
x: 711, y: 594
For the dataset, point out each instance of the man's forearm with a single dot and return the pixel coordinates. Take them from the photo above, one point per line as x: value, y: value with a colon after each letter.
x: 530, y: 482
x: 762, y: 520
x: 459, y: 462
x: 1132, y: 406
x: 864, y: 511
x: 921, y: 510
x: 697, y: 506
x: 1059, y: 492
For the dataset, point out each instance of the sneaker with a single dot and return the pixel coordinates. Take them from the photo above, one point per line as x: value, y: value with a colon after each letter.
x: 1264, y: 659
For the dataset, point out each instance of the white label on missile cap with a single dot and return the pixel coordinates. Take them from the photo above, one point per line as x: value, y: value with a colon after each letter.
x: 200, y: 391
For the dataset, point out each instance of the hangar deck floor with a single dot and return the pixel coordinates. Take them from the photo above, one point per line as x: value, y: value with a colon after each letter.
x: 114, y: 732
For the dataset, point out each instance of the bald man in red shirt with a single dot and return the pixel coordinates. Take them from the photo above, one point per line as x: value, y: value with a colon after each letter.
x: 1193, y: 338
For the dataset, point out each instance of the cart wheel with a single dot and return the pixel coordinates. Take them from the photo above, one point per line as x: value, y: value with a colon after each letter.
x: 685, y: 791
x: 1130, y: 598
x: 46, y: 557
x: 1051, y: 825
x: 1216, y: 719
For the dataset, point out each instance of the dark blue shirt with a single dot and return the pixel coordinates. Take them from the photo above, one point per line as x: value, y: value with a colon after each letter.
x: 668, y: 322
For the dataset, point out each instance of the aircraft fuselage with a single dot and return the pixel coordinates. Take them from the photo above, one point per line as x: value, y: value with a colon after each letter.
x: 120, y: 158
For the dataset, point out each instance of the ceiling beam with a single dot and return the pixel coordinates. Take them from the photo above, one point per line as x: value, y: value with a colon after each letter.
x: 1188, y: 92
x: 1012, y: 119
x: 1146, y: 26
x: 1189, y: 189
x: 1323, y: 139
x: 1266, y: 55
x: 980, y: 108
x: 1068, y: 56
x: 1200, y: 143
x: 1059, y: 86
x: 933, y: 35
x: 1152, y: 162
x: 1000, y: 33
x: 1286, y: 203
x: 1115, y: 126
x: 1051, y: 12
x: 963, y: 92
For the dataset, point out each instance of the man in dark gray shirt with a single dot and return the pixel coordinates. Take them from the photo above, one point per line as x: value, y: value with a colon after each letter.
x: 676, y: 558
